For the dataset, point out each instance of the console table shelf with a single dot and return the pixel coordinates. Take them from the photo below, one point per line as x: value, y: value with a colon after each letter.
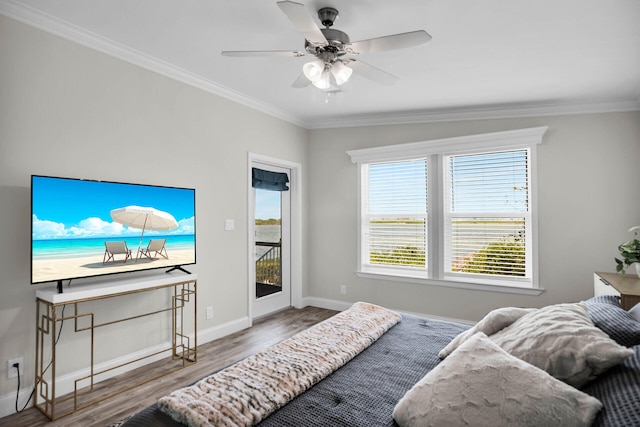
x: 85, y: 392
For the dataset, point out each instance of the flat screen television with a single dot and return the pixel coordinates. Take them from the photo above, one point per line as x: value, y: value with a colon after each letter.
x: 84, y: 228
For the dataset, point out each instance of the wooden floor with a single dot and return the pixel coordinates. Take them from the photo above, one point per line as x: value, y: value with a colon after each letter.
x: 211, y: 357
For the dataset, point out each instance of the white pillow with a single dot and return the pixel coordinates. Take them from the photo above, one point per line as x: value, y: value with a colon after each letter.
x: 635, y: 311
x: 480, y: 384
x: 562, y: 340
x: 490, y: 324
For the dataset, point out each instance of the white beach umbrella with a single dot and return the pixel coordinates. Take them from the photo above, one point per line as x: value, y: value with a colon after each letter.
x: 144, y: 218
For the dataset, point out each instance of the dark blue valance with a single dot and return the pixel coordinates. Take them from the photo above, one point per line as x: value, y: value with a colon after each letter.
x: 267, y: 180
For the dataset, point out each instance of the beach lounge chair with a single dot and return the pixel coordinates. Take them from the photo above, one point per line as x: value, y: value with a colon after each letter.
x: 156, y: 246
x: 116, y: 248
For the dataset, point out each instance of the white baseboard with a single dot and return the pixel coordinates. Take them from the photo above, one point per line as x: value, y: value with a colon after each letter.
x: 222, y: 330
x: 328, y: 304
x: 8, y: 401
x: 434, y: 317
x: 65, y: 383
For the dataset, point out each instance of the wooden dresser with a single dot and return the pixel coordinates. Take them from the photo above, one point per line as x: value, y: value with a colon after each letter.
x: 627, y: 287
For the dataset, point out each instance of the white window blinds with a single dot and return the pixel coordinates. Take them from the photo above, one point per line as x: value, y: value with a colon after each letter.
x: 394, y: 229
x: 451, y: 212
x: 487, y: 217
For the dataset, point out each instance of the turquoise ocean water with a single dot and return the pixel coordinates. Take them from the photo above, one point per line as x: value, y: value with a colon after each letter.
x: 74, y: 248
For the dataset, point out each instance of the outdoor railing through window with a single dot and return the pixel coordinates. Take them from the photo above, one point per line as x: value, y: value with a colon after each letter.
x: 269, y: 265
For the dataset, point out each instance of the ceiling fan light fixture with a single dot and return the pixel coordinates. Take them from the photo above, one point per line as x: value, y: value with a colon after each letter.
x: 341, y: 72
x: 324, y: 82
x: 331, y: 48
x: 313, y: 70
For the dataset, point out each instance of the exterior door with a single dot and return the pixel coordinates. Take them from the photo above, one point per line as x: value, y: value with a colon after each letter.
x: 272, y: 248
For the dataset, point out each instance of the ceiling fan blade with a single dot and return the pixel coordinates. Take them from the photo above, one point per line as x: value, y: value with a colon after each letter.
x: 395, y: 41
x: 299, y: 16
x: 301, y: 81
x: 263, y: 53
x: 372, y: 73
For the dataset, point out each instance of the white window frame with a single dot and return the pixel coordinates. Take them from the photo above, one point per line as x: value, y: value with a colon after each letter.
x: 435, y: 151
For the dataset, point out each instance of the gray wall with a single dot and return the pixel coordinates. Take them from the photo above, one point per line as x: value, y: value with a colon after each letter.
x: 67, y: 110
x: 588, y: 181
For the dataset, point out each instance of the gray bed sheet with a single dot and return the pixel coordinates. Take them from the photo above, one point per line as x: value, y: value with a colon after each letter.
x: 365, y: 390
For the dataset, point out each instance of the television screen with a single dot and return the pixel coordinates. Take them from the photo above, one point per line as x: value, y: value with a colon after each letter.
x: 82, y: 228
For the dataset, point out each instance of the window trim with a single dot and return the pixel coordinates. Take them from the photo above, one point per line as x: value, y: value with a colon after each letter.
x: 439, y: 148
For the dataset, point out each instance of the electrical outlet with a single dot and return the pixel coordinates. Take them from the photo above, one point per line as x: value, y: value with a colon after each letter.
x: 343, y: 289
x: 209, y: 314
x: 13, y: 372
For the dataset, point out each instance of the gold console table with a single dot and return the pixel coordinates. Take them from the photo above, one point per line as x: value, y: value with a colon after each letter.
x: 87, y: 389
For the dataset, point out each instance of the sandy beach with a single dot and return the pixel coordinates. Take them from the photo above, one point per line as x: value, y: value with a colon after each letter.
x: 52, y: 269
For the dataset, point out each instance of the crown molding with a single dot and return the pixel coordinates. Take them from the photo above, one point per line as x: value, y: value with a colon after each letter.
x: 68, y: 31
x: 25, y: 14
x: 518, y: 138
x: 480, y: 113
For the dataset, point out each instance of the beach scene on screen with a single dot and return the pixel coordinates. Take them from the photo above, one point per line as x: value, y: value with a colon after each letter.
x: 89, y: 228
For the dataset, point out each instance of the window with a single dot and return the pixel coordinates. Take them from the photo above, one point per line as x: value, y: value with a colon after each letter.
x: 458, y: 211
x: 395, y: 215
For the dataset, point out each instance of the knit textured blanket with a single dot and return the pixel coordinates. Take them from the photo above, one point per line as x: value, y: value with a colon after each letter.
x: 245, y: 393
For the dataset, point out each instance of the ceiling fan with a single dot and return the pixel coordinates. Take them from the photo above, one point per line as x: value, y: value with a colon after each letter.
x: 333, y: 50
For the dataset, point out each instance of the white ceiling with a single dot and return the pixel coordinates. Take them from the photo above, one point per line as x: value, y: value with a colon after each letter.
x: 489, y: 58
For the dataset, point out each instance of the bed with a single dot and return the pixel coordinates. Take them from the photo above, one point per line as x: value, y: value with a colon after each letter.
x: 370, y: 389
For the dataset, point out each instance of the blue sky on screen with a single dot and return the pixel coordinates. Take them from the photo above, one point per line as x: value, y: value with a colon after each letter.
x: 68, y: 208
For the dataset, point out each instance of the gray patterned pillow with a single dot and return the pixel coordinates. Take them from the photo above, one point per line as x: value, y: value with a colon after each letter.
x: 480, y: 384
x: 562, y: 340
x: 605, y: 312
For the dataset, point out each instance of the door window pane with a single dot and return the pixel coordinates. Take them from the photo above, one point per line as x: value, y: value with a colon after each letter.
x: 268, y: 242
